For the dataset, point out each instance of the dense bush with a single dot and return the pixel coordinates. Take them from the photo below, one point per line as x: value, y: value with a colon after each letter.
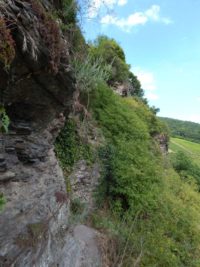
x: 134, y: 170
x: 186, y: 168
x: 90, y: 73
x: 111, y: 54
x: 70, y: 148
x: 4, y: 120
x: 136, y: 89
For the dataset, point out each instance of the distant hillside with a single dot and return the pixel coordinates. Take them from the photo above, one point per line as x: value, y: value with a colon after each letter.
x: 183, y: 129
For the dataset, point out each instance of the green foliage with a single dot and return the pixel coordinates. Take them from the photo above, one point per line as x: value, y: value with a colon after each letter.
x: 67, y: 14
x: 186, y: 168
x: 181, y: 162
x: 66, y: 11
x: 69, y: 11
x: 70, y: 148
x: 90, y: 73
x: 103, y: 42
x: 136, y: 89
x: 153, y: 212
x: 4, y: 120
x: 78, y: 44
x: 111, y: 54
x: 145, y: 113
x: 166, y: 235
x: 183, y: 129
x: 77, y: 207
x: 79, y: 211
x: 106, y: 156
x: 2, y: 201
x: 131, y: 160
x: 155, y: 110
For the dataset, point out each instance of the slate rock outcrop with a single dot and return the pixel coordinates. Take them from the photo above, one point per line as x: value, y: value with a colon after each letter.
x: 36, y: 90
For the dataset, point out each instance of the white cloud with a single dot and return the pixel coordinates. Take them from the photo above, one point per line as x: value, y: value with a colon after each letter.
x: 146, y: 79
x: 148, y: 82
x: 133, y: 20
x: 192, y: 117
x: 153, y: 13
x: 152, y: 96
x: 95, y: 5
x: 137, y: 18
x: 122, y: 2
x: 167, y: 21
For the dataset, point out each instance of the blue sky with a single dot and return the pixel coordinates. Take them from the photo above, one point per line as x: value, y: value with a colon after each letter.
x: 161, y: 40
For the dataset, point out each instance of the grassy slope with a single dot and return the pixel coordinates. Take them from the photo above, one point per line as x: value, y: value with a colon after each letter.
x: 162, y: 210
x: 162, y: 228
x: 190, y: 148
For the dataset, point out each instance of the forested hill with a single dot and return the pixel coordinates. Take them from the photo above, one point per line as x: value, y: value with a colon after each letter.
x: 183, y: 129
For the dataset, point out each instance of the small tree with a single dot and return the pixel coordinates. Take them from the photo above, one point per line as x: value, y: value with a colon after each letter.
x: 112, y: 54
x: 136, y: 86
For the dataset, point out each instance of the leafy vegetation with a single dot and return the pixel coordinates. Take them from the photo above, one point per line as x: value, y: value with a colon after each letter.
x: 4, y: 120
x: 113, y: 55
x: 183, y: 129
x: 136, y: 89
x: 2, y: 201
x: 90, y: 73
x: 160, y: 209
x: 69, y: 11
x: 149, y: 204
x: 70, y: 148
x: 186, y: 168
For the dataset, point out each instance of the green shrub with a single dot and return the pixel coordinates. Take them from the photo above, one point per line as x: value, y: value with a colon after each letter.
x: 136, y: 89
x: 2, y: 201
x: 4, y: 120
x: 77, y: 207
x: 186, y: 168
x: 90, y: 73
x: 106, y: 156
x: 134, y: 170
x: 181, y: 162
x: 111, y: 54
x: 69, y: 146
x: 69, y: 11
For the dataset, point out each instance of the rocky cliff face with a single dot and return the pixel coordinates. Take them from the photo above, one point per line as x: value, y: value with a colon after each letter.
x: 36, y: 90
x: 163, y: 141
